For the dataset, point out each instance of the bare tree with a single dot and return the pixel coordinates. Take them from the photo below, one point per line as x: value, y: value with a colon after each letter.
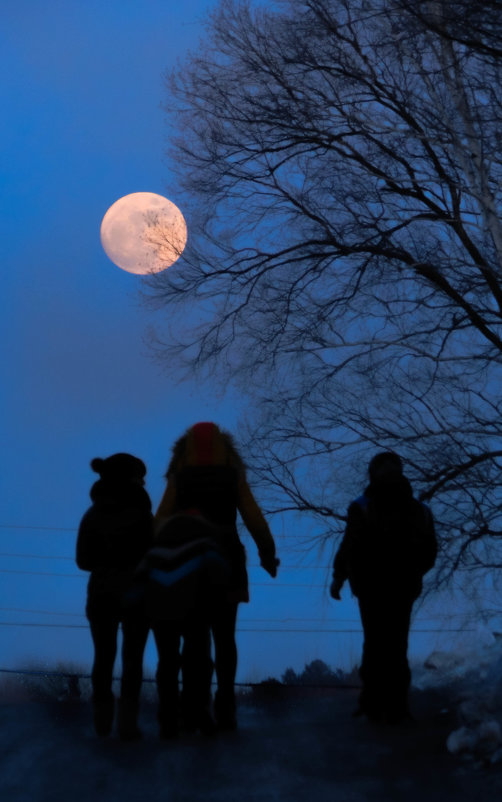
x: 341, y: 163
x: 477, y: 25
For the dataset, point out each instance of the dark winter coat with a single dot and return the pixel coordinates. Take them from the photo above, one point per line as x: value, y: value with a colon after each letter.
x: 217, y: 492
x: 389, y: 542
x: 114, y: 535
x: 185, y: 573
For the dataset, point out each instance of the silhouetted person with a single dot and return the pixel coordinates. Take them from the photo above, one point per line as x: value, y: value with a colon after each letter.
x: 185, y: 576
x: 388, y: 546
x: 114, y: 535
x: 207, y: 474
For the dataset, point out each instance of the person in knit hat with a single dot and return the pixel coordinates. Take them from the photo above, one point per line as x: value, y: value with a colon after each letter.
x: 113, y: 536
x: 206, y: 475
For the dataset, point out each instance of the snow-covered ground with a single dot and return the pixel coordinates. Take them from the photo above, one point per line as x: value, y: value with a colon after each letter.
x: 294, y: 745
x: 470, y: 675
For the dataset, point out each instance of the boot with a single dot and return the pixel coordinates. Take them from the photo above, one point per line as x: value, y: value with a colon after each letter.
x: 206, y: 723
x: 127, y: 720
x: 199, y: 720
x: 103, y: 710
x: 167, y: 716
x: 224, y: 710
x: 168, y: 730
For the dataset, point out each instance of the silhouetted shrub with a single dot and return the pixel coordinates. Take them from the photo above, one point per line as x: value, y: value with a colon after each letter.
x: 317, y: 673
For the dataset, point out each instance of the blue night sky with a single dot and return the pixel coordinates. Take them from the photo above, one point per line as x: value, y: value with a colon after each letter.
x: 82, y: 83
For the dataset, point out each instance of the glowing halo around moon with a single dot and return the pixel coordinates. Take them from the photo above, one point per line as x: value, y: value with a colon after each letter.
x: 143, y: 233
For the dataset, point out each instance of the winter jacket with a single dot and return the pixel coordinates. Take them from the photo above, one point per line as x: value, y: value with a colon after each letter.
x: 389, y: 542
x: 185, y: 573
x: 114, y: 535
x: 218, y: 492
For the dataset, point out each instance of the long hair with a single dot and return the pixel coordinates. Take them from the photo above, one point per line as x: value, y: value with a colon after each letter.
x: 204, y: 444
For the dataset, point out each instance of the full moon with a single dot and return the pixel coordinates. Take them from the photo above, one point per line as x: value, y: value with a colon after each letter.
x: 143, y: 233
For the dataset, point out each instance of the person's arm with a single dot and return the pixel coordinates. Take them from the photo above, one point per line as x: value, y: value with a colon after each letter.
x: 87, y: 550
x: 257, y: 526
x: 342, y: 558
x: 340, y: 569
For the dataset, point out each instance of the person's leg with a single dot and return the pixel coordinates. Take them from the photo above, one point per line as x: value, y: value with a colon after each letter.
x: 398, y: 675
x: 167, y: 638
x: 104, y: 628
x: 197, y: 670
x: 373, y: 659
x: 135, y: 632
x: 223, y: 629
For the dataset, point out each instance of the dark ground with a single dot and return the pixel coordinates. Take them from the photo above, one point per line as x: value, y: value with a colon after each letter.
x: 295, y: 748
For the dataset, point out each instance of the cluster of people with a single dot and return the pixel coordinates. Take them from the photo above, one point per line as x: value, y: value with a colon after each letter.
x: 182, y: 573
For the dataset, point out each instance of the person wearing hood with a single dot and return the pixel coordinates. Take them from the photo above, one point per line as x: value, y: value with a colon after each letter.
x: 114, y: 535
x: 388, y: 546
x: 206, y: 476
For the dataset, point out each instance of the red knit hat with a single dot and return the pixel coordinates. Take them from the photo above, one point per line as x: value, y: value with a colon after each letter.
x: 203, y: 437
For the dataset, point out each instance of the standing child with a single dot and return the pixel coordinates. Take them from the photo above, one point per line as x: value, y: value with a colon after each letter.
x: 113, y: 537
x: 185, y: 576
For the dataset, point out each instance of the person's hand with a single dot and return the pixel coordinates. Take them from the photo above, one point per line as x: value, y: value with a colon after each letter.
x: 269, y: 563
x: 335, y: 589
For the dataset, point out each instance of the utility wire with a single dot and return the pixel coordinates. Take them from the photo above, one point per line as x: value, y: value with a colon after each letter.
x: 72, y: 559
x: 38, y: 612
x: 239, y: 629
x: 307, y: 541
x: 85, y: 576
x: 288, y: 620
x: 40, y: 528
x: 36, y: 556
x: 41, y: 573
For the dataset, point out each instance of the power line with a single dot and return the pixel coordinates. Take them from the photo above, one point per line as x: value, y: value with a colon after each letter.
x: 308, y: 541
x: 269, y: 584
x: 38, y: 612
x: 36, y: 556
x: 72, y: 559
x: 287, y: 620
x: 26, y: 556
x: 37, y: 625
x: 85, y: 576
x: 41, y: 573
x: 40, y: 528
